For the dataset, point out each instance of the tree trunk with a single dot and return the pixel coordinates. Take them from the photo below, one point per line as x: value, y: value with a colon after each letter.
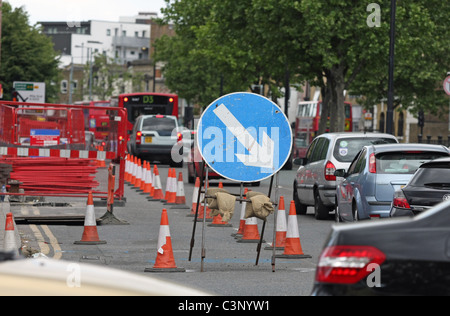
x: 336, y: 81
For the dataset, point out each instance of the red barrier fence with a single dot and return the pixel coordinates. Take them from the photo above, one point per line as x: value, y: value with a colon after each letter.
x: 46, y: 146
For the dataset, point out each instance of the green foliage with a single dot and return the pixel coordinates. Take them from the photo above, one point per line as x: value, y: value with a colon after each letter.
x: 327, y: 43
x: 27, y: 54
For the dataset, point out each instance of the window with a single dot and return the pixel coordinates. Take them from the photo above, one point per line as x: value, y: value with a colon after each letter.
x: 64, y: 86
x: 320, y: 150
x: 404, y: 162
x: 108, y: 32
x: 346, y: 149
x: 401, y: 120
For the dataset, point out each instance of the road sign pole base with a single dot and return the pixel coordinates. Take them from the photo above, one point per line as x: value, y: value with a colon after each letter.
x: 160, y: 270
x: 293, y: 256
x: 100, y: 242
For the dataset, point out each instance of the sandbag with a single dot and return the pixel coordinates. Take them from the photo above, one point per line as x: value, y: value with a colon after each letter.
x: 260, y: 205
x: 226, y: 204
x: 212, y: 202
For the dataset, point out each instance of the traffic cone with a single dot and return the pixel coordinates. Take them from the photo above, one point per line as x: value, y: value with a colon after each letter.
x: 133, y: 171
x: 147, y: 180
x: 165, y: 261
x: 137, y: 183
x: 171, y: 190
x: 144, y: 171
x: 281, y: 228
x: 9, y: 242
x: 101, y: 162
x: 127, y: 169
x: 90, y: 234
x: 194, y: 198
x: 293, y: 247
x: 251, y: 234
x: 180, y: 198
x: 241, y: 229
x: 157, y: 192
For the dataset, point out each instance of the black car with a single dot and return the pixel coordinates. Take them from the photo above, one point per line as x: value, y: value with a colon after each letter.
x: 401, y: 256
x: 429, y: 186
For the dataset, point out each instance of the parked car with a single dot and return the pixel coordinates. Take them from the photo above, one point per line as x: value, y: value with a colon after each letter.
x: 429, y: 186
x: 375, y: 174
x: 402, y: 256
x: 155, y: 137
x: 315, y: 183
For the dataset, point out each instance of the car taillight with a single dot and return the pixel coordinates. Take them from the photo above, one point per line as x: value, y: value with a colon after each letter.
x: 372, y: 164
x: 347, y: 264
x: 329, y: 171
x: 400, y: 200
x: 138, y: 137
x: 179, y: 137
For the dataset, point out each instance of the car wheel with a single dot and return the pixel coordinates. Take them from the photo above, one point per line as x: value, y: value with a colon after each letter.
x: 320, y: 210
x: 300, y: 208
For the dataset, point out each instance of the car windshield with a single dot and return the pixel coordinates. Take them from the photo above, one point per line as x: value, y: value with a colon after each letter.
x: 158, y: 124
x: 404, y: 162
x: 437, y: 176
x: 346, y: 149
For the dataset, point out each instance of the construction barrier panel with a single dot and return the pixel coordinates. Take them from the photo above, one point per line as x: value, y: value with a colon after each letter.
x: 63, y: 144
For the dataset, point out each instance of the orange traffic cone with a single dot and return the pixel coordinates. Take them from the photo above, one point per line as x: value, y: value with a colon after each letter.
x: 251, y: 234
x: 147, y: 180
x: 133, y: 169
x: 9, y: 242
x: 281, y: 228
x: 195, y: 197
x: 165, y: 261
x: 137, y: 183
x: 293, y: 247
x: 180, y: 198
x: 101, y: 162
x: 127, y: 169
x: 171, y: 187
x: 241, y: 229
x: 90, y: 234
x: 157, y: 192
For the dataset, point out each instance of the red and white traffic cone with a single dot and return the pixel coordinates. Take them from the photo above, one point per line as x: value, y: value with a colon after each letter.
x: 137, y: 184
x: 171, y: 188
x: 157, y: 192
x: 165, y: 261
x: 194, y: 198
x: 90, y: 233
x: 251, y: 234
x: 293, y: 248
x: 9, y: 242
x: 180, y: 198
x: 281, y: 228
x: 241, y: 229
x: 147, y: 180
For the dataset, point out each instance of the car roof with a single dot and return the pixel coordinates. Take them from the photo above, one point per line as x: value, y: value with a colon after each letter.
x: 435, y: 162
x: 356, y: 134
x: 154, y: 115
x: 408, y: 147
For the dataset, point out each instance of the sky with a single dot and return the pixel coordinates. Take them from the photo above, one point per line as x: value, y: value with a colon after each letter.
x: 84, y: 10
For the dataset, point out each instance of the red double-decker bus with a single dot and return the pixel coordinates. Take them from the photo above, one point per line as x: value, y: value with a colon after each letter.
x: 146, y: 103
x: 307, y: 124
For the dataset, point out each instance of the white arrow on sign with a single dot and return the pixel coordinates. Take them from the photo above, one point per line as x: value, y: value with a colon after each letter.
x: 259, y: 155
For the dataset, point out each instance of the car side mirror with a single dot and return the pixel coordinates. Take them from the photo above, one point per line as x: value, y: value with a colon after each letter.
x: 300, y: 161
x: 340, y: 173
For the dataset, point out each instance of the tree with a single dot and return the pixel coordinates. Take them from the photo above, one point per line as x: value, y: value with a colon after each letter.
x: 27, y: 54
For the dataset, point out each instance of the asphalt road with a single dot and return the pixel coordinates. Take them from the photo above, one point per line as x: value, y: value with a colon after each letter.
x: 228, y: 268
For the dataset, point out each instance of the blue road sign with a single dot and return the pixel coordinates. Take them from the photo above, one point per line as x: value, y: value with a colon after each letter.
x: 244, y: 137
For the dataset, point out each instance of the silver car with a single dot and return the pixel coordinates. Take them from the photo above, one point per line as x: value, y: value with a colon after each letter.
x: 315, y: 184
x: 155, y: 137
x: 368, y: 187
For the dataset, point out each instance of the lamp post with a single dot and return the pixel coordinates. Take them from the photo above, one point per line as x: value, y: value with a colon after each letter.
x: 390, y: 105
